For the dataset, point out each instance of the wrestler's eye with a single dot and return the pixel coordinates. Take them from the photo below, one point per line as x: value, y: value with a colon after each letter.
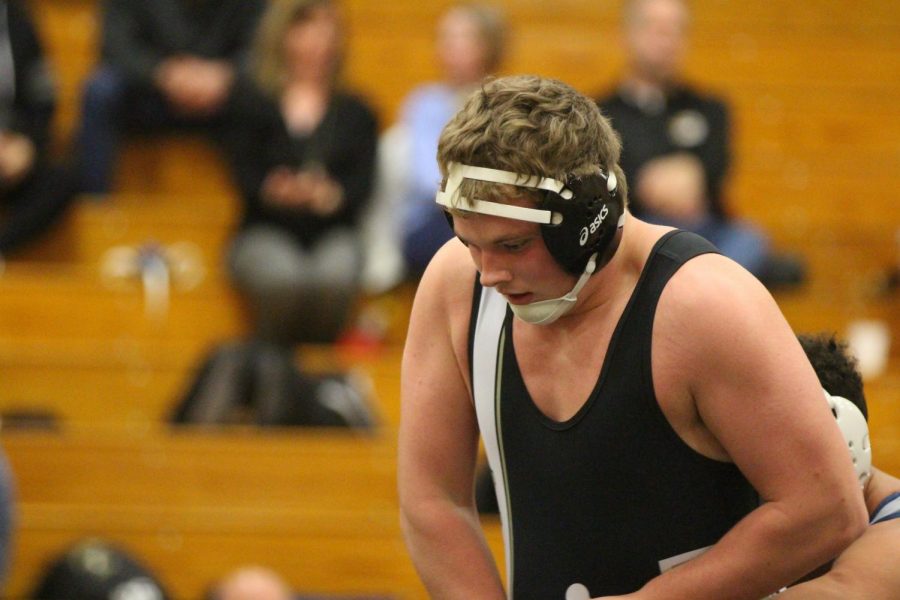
x: 515, y: 246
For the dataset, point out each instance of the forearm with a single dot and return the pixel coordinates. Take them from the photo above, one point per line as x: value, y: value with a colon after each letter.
x: 450, y: 552
x: 767, y: 550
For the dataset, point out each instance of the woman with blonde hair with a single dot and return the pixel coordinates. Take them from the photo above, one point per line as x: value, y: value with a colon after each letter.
x: 303, y: 152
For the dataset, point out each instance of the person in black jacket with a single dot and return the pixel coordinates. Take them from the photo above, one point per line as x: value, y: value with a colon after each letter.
x: 677, y: 142
x: 34, y: 192
x: 303, y: 154
x: 164, y: 63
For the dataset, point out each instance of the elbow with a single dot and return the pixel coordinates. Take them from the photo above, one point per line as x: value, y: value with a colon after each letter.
x: 409, y: 513
x: 418, y: 516
x: 424, y: 517
x: 412, y: 517
x: 407, y: 523
x: 848, y: 521
x: 420, y: 525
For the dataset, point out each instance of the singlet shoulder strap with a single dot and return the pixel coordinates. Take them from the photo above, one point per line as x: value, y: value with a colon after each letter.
x: 682, y: 246
x: 669, y: 253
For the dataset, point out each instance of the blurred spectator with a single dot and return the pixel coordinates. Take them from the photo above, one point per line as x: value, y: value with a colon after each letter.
x: 33, y: 191
x: 470, y: 43
x: 260, y: 583
x: 164, y: 64
x: 251, y: 583
x: 676, y: 142
x: 303, y: 152
x: 94, y: 569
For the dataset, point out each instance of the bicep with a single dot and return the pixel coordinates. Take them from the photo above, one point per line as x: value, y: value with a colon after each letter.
x: 757, y: 394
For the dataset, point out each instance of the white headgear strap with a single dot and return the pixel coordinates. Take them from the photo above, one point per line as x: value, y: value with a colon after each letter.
x: 450, y: 197
x: 542, y: 312
x: 856, y: 433
x: 545, y: 312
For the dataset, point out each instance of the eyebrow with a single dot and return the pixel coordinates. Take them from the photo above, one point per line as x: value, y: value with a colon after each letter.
x: 500, y: 241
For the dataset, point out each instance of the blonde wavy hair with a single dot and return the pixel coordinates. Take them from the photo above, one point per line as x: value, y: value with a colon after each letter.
x: 529, y: 125
x: 267, y: 57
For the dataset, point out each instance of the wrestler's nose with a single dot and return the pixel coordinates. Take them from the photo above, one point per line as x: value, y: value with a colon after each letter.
x: 494, y: 270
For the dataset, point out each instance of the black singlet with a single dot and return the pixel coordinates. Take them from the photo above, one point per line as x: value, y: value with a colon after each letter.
x: 607, y: 498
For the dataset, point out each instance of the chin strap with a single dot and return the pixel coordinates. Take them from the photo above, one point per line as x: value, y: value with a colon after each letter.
x: 545, y: 312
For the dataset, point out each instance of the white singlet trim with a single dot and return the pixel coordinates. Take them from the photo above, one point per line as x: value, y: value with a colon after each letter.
x: 486, y: 377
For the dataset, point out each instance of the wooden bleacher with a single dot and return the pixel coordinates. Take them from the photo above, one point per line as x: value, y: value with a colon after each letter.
x: 321, y: 509
x: 128, y: 384
x: 814, y: 94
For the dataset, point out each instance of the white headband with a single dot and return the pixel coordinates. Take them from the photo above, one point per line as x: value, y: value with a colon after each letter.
x: 457, y: 172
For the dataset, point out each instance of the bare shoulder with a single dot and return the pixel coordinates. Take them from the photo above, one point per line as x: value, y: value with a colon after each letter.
x: 721, y: 341
x: 713, y: 309
x: 448, y: 282
x: 443, y: 300
x: 714, y: 282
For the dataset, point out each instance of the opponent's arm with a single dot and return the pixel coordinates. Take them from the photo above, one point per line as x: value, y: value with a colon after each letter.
x: 439, y: 440
x: 757, y: 395
x: 868, y: 568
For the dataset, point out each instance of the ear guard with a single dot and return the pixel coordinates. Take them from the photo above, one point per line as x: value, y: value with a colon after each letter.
x: 856, y: 432
x: 579, y: 218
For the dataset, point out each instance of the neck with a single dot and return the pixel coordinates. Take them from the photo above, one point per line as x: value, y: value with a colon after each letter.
x: 462, y: 88
x: 307, y: 85
x: 620, y: 276
x: 310, y: 80
x: 601, y: 289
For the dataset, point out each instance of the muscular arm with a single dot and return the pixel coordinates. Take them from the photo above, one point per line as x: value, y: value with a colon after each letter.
x: 439, y: 440
x: 758, y: 404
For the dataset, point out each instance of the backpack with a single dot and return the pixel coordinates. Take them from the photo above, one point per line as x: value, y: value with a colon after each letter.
x: 96, y: 570
x: 260, y: 383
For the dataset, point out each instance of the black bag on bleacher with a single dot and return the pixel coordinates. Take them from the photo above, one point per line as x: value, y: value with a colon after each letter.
x: 96, y: 570
x: 261, y: 384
